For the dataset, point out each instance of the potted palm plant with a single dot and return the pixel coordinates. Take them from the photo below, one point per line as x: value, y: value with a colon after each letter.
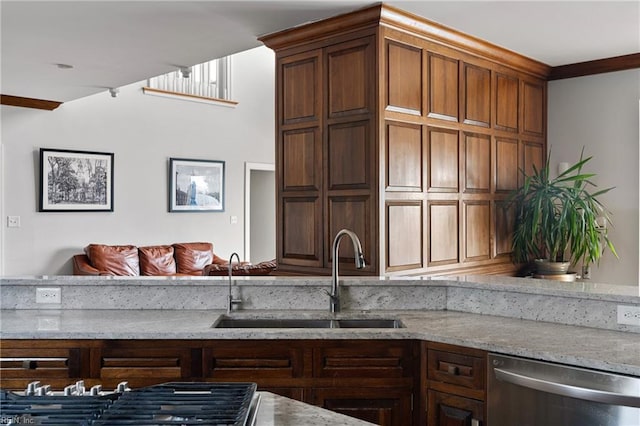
x: 559, y: 220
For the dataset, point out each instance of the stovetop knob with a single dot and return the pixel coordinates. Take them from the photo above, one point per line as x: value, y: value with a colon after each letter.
x: 80, y: 389
x: 95, y: 390
x: 31, y: 388
x: 70, y: 390
x: 123, y: 387
x: 43, y: 390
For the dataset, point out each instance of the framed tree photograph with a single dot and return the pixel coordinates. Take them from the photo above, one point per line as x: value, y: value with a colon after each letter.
x: 75, y: 181
x: 196, y: 185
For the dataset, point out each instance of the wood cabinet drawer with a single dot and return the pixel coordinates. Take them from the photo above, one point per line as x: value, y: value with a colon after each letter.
x: 366, y: 358
x: 253, y: 359
x: 40, y: 363
x: 54, y: 362
x: 143, y: 364
x: 462, y: 368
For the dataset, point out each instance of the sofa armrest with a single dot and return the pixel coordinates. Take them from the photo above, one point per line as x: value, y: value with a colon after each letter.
x: 217, y: 260
x: 81, y: 266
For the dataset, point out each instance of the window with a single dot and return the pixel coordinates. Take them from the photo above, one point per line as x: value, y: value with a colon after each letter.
x: 207, y: 82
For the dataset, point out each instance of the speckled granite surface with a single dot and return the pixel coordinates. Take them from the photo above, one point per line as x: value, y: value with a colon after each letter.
x: 275, y: 410
x: 573, y: 323
x: 580, y: 303
x: 581, y: 346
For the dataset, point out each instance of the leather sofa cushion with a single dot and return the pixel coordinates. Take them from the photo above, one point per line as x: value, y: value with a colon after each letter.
x: 191, y: 258
x: 262, y: 268
x: 115, y: 260
x: 157, y: 260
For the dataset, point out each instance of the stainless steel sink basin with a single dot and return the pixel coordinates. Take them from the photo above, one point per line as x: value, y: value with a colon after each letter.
x: 226, y: 322
x: 370, y: 323
x: 272, y: 323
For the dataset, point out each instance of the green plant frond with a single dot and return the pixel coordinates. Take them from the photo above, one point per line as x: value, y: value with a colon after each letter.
x: 581, y: 178
x: 602, y: 191
x: 576, y: 167
x: 558, y: 216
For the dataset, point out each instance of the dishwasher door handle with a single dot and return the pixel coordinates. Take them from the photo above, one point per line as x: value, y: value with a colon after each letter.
x: 563, y: 389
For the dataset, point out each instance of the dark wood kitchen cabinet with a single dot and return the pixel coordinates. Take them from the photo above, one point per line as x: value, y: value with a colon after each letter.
x: 454, y: 381
x: 55, y: 362
x: 369, y: 379
x: 388, y: 382
x: 406, y: 132
x: 381, y: 406
x: 373, y: 380
x: 144, y: 362
x: 106, y: 362
x: 282, y: 368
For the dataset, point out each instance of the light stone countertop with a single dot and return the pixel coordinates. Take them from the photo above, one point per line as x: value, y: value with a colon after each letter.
x: 607, y: 350
x: 276, y: 410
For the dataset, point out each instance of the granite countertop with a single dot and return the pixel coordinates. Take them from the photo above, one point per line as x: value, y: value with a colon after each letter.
x: 276, y: 410
x: 607, y: 350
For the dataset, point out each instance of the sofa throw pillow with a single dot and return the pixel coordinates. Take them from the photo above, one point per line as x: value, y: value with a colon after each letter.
x: 191, y: 258
x: 157, y: 260
x: 114, y: 260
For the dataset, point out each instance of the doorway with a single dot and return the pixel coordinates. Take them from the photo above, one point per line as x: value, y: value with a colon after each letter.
x: 260, y: 212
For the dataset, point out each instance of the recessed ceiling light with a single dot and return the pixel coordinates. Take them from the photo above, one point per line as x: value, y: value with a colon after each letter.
x: 64, y: 66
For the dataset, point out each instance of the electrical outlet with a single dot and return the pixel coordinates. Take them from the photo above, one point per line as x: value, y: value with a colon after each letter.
x: 629, y: 315
x: 48, y: 295
x: 13, y: 221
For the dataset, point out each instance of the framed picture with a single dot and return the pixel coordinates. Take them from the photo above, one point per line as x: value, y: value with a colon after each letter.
x: 196, y: 185
x: 75, y: 181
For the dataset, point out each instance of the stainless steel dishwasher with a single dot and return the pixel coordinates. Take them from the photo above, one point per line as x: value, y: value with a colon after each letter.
x: 522, y: 392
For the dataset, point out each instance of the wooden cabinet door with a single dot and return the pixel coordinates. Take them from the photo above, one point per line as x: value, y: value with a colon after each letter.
x: 386, y: 407
x: 452, y: 410
x: 299, y: 160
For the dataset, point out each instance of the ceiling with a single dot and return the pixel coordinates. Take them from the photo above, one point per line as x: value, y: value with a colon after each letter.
x: 114, y: 43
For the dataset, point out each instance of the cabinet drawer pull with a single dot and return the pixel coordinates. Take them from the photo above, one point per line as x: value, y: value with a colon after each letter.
x: 453, y: 370
x: 34, y: 363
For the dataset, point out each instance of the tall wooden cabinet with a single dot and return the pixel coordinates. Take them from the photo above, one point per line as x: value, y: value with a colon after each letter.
x: 406, y: 132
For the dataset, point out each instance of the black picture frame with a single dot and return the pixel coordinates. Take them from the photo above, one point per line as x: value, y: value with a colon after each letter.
x: 196, y: 185
x: 75, y: 181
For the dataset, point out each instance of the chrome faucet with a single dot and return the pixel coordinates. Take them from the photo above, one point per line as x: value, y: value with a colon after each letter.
x: 334, y: 296
x: 230, y: 300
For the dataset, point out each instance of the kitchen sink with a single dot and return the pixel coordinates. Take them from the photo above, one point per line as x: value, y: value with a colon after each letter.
x: 226, y: 322
x: 272, y: 323
x: 370, y: 323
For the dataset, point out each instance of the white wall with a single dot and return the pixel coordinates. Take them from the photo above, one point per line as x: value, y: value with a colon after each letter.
x: 600, y: 112
x: 263, y: 215
x: 143, y: 132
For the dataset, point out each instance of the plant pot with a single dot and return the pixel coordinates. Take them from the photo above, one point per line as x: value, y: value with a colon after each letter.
x: 546, y: 267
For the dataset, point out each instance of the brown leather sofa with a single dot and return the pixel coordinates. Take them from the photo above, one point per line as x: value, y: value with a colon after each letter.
x: 163, y: 260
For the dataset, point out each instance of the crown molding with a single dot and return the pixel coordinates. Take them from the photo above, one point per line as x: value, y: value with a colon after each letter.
x: 19, y: 101
x: 599, y: 66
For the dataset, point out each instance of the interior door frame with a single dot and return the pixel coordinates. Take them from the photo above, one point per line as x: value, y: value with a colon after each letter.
x: 248, y: 168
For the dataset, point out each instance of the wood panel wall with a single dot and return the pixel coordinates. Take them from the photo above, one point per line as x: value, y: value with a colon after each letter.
x: 458, y: 128
x: 393, y: 127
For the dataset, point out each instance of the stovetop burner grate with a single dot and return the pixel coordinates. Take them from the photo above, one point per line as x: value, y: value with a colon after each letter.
x: 176, y: 403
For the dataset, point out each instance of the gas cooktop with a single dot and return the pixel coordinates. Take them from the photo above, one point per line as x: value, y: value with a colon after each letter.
x: 175, y: 403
